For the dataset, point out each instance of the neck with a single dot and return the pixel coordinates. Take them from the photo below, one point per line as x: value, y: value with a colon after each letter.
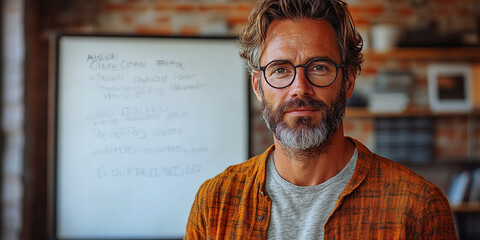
x: 313, y: 166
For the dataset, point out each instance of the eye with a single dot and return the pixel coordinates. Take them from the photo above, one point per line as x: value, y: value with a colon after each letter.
x: 319, y: 68
x: 279, y: 70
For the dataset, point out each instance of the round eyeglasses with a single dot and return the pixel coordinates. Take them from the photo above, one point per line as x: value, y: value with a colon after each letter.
x: 320, y: 72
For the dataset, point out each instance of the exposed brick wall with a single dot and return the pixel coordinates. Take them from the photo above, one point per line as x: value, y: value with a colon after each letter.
x: 196, y: 17
x: 457, y: 138
x: 360, y: 129
x: 163, y: 17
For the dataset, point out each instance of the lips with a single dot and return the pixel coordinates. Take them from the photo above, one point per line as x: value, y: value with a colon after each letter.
x: 301, y: 110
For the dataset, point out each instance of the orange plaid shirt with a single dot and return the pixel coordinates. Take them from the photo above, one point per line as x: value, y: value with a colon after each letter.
x: 383, y: 200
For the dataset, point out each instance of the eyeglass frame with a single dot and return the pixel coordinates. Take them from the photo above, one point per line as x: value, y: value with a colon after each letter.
x: 337, y: 66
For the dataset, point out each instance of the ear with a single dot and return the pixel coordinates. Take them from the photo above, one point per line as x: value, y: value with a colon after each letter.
x: 350, y: 84
x: 256, y: 80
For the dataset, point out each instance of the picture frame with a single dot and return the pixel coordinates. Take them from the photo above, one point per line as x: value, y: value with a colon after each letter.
x: 449, y: 86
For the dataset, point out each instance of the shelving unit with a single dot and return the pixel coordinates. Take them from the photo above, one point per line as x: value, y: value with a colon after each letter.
x: 470, y: 207
x: 440, y: 169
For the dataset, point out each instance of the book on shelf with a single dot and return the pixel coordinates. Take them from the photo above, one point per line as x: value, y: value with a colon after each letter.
x: 405, y: 139
x: 459, y: 188
x: 475, y: 186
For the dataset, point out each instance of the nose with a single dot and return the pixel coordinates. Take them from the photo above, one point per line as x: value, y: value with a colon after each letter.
x: 300, y: 86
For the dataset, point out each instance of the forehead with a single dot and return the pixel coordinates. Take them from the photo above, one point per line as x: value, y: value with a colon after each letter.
x: 300, y: 40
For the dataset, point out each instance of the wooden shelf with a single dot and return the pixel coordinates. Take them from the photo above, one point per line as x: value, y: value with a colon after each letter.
x: 467, y: 207
x: 355, y: 112
x: 466, y: 53
x: 461, y: 163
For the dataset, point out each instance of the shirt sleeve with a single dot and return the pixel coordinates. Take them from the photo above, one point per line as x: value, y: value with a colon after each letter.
x: 196, y: 225
x: 437, y: 219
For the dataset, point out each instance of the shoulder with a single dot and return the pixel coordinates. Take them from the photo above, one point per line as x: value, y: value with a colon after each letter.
x: 383, y: 191
x: 394, y: 171
x: 391, y: 178
x: 400, y: 177
x: 423, y: 205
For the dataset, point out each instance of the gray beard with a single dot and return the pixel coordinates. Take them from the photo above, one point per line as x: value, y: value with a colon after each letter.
x: 304, y: 136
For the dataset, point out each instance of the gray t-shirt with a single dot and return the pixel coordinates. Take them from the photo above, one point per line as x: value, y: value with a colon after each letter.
x: 300, y: 212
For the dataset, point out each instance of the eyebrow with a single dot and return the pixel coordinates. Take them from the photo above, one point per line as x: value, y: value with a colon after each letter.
x: 308, y: 60
x: 320, y: 57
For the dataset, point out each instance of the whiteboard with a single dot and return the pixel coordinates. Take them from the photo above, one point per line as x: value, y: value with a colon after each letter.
x: 141, y: 123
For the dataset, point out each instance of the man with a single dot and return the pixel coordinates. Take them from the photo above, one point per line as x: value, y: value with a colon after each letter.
x: 313, y: 183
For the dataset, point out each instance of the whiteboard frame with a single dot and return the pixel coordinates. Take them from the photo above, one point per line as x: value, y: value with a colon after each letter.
x: 53, y: 114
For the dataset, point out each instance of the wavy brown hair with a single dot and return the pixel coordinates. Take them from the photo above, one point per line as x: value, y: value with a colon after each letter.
x: 252, y: 37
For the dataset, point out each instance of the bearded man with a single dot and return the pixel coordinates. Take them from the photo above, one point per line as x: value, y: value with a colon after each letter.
x: 313, y: 183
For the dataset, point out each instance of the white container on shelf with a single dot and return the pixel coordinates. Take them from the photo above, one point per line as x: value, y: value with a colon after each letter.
x: 388, y: 102
x: 385, y: 37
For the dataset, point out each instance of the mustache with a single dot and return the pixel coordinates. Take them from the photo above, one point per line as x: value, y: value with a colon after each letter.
x: 306, y: 102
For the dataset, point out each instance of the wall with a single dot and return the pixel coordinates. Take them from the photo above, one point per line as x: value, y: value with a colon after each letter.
x: 196, y: 17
